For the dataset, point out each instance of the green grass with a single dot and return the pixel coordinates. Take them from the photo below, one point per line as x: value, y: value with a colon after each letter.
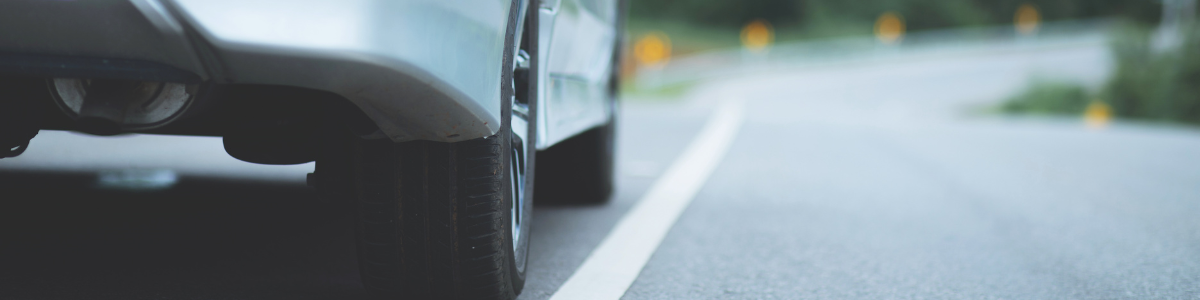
x: 1148, y: 84
x: 668, y: 92
x: 1049, y: 98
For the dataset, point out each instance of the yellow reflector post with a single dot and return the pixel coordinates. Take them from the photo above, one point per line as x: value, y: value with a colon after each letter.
x: 757, y: 35
x: 1027, y: 19
x: 889, y: 28
x: 652, y: 49
x: 1097, y: 114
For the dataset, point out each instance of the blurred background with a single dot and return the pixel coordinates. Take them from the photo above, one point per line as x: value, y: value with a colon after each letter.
x: 705, y: 24
x: 1147, y: 74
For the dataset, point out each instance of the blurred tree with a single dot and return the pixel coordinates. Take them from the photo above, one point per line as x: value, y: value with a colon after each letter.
x: 919, y: 14
x: 725, y: 13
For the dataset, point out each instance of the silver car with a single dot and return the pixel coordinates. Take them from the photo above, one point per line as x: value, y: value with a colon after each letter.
x: 427, y: 116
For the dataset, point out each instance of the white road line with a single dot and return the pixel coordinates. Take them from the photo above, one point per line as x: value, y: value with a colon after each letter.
x: 613, y: 266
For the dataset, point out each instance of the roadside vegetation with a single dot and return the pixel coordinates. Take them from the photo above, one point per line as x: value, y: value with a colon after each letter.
x: 1147, y: 84
x: 693, y: 26
x: 699, y: 25
x: 1049, y: 98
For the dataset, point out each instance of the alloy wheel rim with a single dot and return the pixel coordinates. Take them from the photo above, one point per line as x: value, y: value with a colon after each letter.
x: 519, y: 157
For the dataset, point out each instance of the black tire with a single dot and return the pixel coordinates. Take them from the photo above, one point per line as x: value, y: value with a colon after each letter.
x: 433, y: 220
x: 578, y: 170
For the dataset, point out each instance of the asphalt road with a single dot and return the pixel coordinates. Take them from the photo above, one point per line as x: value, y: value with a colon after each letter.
x: 847, y: 181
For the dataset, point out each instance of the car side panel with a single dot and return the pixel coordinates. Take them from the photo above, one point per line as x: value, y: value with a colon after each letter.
x: 579, y: 65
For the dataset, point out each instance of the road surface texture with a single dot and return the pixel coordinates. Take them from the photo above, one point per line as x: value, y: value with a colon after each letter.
x: 871, y: 180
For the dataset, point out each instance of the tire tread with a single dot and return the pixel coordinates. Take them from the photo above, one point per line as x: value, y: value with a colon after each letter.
x: 431, y: 219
